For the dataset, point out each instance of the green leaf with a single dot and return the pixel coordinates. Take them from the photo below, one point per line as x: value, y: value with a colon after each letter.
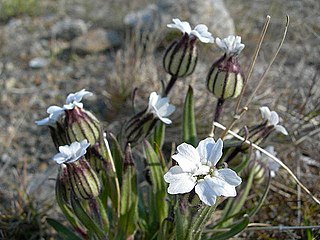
x: 63, y: 231
x: 64, y: 206
x: 129, y: 198
x: 85, y: 219
x: 157, y: 138
x: 189, y: 123
x: 159, y: 208
x: 117, y: 155
x: 234, y: 230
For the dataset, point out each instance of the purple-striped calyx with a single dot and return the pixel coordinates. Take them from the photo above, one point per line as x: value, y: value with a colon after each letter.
x: 181, y: 57
x: 75, y: 172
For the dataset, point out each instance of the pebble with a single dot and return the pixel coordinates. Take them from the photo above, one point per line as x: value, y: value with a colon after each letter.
x: 38, y: 62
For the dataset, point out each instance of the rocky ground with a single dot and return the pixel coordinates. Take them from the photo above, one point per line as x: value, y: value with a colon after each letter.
x: 64, y: 46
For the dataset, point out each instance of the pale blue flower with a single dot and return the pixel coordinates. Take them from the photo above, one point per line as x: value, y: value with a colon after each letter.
x: 160, y: 107
x: 71, y: 153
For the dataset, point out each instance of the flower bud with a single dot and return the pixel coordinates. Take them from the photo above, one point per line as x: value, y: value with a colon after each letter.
x: 83, y: 180
x: 181, y: 57
x: 225, y: 79
x: 81, y: 124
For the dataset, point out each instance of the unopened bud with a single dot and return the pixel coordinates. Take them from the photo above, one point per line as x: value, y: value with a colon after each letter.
x: 81, y: 124
x: 181, y: 57
x: 225, y: 79
x: 83, y: 180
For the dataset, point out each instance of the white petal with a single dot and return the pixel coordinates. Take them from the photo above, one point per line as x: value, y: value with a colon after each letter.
x: 54, y: 109
x: 281, y: 129
x: 59, y: 158
x: 153, y: 99
x: 165, y: 120
x: 274, y: 118
x: 161, y: 102
x: 205, y: 193
x: 216, y: 152
x: 220, y: 187
x: 182, y: 26
x: 229, y: 176
x: 65, y: 150
x: 170, y: 110
x: 204, y: 149
x: 231, y: 45
x: 187, y: 157
x: 44, y: 122
x: 265, y: 112
x: 77, y: 97
x: 179, y: 181
x: 201, y: 32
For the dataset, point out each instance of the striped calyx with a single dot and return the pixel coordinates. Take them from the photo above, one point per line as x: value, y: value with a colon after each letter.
x: 81, y: 124
x: 181, y: 57
x: 225, y: 79
x: 83, y: 180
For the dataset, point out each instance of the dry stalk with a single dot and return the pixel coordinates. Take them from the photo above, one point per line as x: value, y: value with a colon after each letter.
x: 216, y: 124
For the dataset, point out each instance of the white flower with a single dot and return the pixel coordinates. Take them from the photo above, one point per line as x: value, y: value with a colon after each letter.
x: 54, y: 113
x: 200, y: 31
x: 197, y: 170
x: 160, y: 107
x: 272, y: 119
x: 272, y: 165
x: 74, y: 99
x: 72, y: 153
x: 231, y: 45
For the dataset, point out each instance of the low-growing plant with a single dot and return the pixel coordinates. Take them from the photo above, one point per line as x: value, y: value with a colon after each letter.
x: 201, y: 191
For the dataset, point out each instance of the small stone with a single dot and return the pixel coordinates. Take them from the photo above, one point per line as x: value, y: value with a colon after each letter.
x: 38, y: 62
x: 96, y: 41
x: 69, y: 29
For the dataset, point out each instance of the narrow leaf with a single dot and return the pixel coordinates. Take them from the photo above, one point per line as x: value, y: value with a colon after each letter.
x: 234, y: 230
x: 85, y: 219
x: 158, y: 184
x: 63, y: 231
x: 189, y: 123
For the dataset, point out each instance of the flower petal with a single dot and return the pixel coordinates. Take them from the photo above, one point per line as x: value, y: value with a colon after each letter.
x: 165, y: 120
x: 181, y: 25
x: 274, y: 118
x: 220, y: 187
x: 204, y: 149
x: 281, y: 129
x: 201, y: 32
x: 265, y: 113
x: 229, y: 176
x: 205, y: 193
x: 59, y: 158
x: 179, y: 181
x: 187, y: 157
x: 216, y: 152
